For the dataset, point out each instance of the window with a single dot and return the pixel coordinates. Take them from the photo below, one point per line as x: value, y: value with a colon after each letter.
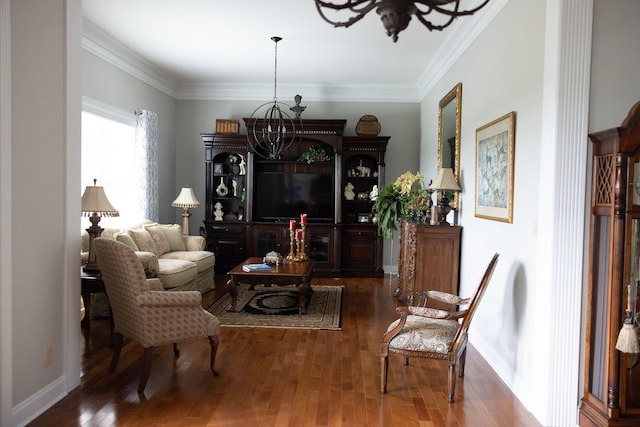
x: 109, y: 155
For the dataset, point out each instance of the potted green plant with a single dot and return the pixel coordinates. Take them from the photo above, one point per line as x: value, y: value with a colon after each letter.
x: 315, y: 153
x: 407, y: 198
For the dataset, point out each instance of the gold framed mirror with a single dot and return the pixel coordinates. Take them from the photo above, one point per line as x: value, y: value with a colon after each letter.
x: 449, y: 114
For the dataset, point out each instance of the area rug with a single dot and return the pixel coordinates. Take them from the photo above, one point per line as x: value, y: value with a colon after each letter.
x: 276, y: 307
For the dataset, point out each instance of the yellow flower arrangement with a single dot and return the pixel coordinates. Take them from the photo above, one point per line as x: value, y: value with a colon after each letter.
x: 406, y: 198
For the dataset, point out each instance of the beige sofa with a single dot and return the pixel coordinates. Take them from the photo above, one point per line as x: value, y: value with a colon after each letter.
x: 180, y: 262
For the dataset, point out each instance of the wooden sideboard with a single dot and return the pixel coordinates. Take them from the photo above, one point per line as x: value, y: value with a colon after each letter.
x: 429, y: 259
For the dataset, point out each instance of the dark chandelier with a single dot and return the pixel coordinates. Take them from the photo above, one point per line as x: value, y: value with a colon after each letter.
x: 396, y: 14
x: 275, y: 131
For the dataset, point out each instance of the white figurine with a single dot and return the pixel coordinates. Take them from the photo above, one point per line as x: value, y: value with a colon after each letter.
x: 348, y: 191
x: 218, y: 212
x: 243, y: 166
x: 364, y: 171
x: 373, y: 195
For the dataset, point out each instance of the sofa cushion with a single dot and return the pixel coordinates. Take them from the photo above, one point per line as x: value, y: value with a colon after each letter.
x: 176, y: 272
x: 143, y: 240
x: 203, y: 259
x: 173, y: 233
x: 127, y: 240
x: 159, y: 240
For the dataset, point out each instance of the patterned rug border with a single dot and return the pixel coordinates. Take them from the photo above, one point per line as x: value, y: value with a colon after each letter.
x: 324, y: 310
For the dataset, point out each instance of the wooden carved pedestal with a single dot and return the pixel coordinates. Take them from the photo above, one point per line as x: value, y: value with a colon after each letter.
x: 429, y: 259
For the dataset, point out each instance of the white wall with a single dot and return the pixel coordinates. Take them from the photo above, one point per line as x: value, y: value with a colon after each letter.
x: 500, y: 74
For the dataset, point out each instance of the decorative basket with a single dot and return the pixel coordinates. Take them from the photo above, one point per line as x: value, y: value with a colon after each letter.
x: 368, y: 126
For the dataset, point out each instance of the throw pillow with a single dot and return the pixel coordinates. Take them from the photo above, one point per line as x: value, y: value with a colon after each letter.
x: 143, y: 240
x: 159, y: 240
x: 173, y: 233
x: 127, y: 240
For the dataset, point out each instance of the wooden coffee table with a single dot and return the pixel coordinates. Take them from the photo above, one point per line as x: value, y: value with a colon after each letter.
x: 291, y: 273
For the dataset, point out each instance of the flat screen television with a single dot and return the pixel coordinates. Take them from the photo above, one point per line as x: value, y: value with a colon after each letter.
x: 280, y: 196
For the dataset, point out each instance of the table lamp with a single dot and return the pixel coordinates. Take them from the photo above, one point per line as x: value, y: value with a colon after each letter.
x: 445, y: 181
x: 95, y: 205
x: 186, y: 200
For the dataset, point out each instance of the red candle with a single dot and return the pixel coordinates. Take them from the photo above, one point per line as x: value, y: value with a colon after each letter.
x: 298, y: 234
x: 292, y: 224
x: 303, y: 218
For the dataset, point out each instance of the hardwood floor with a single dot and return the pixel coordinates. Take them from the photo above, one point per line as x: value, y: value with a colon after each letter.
x: 277, y: 377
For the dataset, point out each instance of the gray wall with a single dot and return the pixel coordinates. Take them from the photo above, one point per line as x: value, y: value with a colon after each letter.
x: 615, y: 62
x: 400, y: 121
x: 105, y: 83
x: 40, y: 138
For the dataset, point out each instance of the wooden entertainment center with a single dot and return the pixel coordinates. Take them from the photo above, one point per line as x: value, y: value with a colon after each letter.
x: 342, y: 238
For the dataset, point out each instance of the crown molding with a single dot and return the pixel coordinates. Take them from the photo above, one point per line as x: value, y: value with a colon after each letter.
x: 464, y: 32
x: 311, y: 91
x: 98, y: 42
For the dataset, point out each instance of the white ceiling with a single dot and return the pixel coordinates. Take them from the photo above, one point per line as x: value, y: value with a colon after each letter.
x: 220, y: 48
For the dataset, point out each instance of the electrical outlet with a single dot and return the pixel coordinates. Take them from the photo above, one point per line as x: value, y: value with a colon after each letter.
x: 48, y: 355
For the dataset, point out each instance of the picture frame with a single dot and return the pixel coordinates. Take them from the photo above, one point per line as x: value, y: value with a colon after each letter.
x: 494, y: 174
x: 364, y: 218
x: 217, y: 169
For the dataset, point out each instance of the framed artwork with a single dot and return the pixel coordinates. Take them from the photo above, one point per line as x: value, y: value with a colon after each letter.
x: 494, y: 169
x: 364, y: 217
x: 217, y: 168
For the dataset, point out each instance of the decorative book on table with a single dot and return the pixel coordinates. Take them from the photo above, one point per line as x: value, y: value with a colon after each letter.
x: 256, y: 267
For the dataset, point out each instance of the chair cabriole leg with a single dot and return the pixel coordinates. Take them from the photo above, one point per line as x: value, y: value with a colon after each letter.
x: 146, y: 368
x: 117, y: 346
x: 214, y: 341
x: 176, y: 351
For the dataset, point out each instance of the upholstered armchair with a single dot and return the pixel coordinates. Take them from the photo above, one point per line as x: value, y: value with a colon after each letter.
x: 433, y: 333
x: 145, y: 313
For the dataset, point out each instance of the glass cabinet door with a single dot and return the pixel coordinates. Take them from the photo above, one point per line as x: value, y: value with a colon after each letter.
x: 630, y: 363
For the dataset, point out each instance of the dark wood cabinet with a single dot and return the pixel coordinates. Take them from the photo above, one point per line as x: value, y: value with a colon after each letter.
x: 363, y: 170
x: 342, y: 241
x: 362, y: 251
x: 429, y: 258
x: 269, y: 237
x: 611, y: 378
x: 227, y: 241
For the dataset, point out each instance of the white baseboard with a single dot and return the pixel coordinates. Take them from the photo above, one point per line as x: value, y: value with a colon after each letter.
x: 30, y: 408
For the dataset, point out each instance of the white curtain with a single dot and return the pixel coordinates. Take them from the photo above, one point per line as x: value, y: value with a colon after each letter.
x: 147, y: 153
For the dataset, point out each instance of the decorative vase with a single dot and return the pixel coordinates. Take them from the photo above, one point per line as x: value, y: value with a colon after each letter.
x: 222, y: 190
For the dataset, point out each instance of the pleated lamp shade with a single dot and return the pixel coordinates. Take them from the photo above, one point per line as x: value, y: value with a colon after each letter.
x: 186, y: 199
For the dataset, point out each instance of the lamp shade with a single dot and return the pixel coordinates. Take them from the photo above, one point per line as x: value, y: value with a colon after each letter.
x: 94, y: 200
x: 445, y: 181
x: 186, y: 199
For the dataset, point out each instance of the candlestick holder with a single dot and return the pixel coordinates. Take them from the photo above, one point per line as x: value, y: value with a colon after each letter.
x: 292, y: 253
x: 301, y: 250
x: 297, y: 257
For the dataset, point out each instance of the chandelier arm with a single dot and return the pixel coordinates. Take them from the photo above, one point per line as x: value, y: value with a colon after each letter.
x: 352, y: 6
x: 419, y: 14
x: 437, y: 6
